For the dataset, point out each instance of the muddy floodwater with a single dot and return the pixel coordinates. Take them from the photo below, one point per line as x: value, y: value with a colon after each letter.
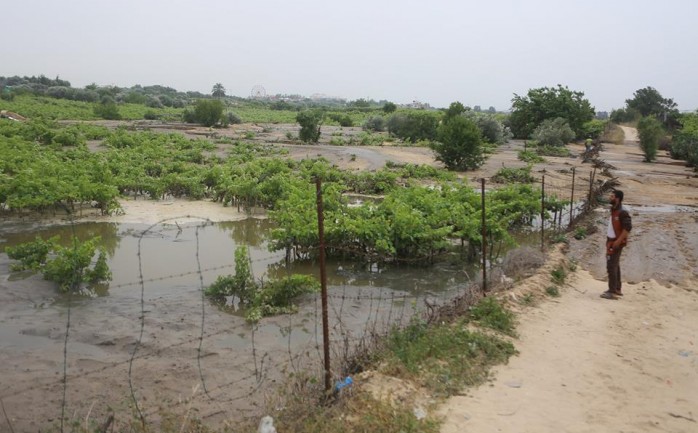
x: 150, y: 336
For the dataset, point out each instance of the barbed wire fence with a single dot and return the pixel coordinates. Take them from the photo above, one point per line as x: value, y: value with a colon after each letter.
x: 217, y: 364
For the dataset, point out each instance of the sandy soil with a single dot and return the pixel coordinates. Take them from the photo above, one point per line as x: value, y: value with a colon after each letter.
x: 592, y: 365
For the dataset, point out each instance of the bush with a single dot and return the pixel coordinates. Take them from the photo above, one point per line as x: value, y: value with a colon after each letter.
x: 389, y: 107
x: 558, y: 275
x: 650, y: 131
x: 685, y: 141
x: 685, y: 147
x: 233, y: 118
x: 68, y: 137
x: 458, y: 144
x: 517, y: 175
x: 593, y: 129
x: 207, y: 112
x: 151, y: 115
x: 68, y: 266
x: 342, y: 119
x: 553, y: 151
x: 107, y: 109
x: 552, y: 291
x: 310, y: 122
x: 555, y: 132
x: 530, y: 156
x: 414, y: 126
x: 493, y: 131
x: 274, y: 297
x: 443, y: 358
x: 374, y: 123
x: 491, y: 314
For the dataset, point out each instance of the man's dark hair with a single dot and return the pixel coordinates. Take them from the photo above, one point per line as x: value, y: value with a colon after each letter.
x: 618, y: 193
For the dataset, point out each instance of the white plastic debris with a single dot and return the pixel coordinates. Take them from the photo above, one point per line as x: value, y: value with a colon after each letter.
x: 266, y: 425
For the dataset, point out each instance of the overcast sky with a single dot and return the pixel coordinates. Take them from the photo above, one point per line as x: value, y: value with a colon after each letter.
x: 434, y: 51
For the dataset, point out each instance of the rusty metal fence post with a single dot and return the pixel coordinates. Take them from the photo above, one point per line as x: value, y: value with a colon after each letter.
x: 323, y: 285
x: 484, y: 241
x: 572, y: 199
x: 542, y: 214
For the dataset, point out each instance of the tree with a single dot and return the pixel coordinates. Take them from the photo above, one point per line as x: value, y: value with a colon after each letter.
x: 649, y: 102
x: 310, y: 122
x: 455, y: 109
x: 549, y: 103
x: 207, y: 112
x: 360, y: 103
x: 389, y: 107
x: 684, y: 144
x: 459, y: 145
x: 218, y: 91
x: 650, y: 131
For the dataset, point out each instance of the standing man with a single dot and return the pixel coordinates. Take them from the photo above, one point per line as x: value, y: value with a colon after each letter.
x: 619, y: 227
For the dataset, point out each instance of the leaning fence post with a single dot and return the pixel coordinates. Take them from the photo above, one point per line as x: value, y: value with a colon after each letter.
x: 542, y: 214
x: 484, y: 241
x: 572, y: 199
x: 323, y: 286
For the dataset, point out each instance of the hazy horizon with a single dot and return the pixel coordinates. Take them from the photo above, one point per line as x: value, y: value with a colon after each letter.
x: 401, y: 51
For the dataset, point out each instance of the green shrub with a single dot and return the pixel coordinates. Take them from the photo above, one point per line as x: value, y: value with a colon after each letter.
x: 555, y: 132
x: 68, y: 137
x: 31, y: 255
x: 558, y: 275
x: 491, y: 314
x: 594, y: 128
x: 414, y: 126
x: 685, y: 141
x: 517, y: 175
x: 374, y: 123
x: 547, y: 150
x: 552, y: 291
x: 274, y: 297
x: 342, y: 119
x: 68, y: 266
x: 443, y: 358
x: 650, y: 132
x: 151, y: 115
x: 528, y: 299
x: 530, y: 157
x: 206, y: 112
x: 492, y: 129
x: 233, y: 118
x: 310, y: 122
x: 107, y: 110
x: 580, y: 233
x: 458, y: 144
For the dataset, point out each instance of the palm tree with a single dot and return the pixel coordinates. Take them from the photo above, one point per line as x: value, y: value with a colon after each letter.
x: 218, y: 91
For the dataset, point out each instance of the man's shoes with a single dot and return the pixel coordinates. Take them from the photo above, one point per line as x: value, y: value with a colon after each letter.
x: 610, y: 295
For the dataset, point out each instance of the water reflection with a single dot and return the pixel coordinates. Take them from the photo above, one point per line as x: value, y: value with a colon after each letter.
x: 195, y: 254
x: 84, y: 231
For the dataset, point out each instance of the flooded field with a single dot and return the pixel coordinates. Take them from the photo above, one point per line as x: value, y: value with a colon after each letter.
x: 151, y: 336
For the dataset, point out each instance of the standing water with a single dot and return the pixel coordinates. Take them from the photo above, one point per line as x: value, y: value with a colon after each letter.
x: 149, y: 335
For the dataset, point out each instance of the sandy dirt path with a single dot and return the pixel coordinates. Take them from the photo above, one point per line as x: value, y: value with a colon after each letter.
x: 591, y: 365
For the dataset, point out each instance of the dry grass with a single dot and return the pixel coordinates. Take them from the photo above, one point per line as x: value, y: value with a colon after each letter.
x: 522, y: 262
x: 613, y: 134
